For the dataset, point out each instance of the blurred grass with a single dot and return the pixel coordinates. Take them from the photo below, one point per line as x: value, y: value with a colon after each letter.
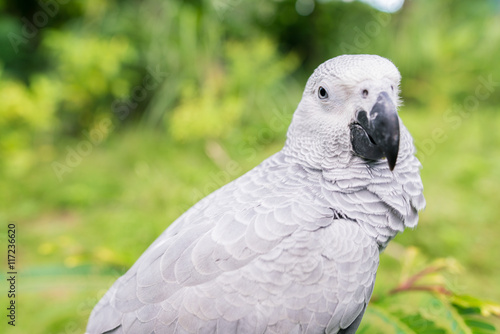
x: 461, y: 179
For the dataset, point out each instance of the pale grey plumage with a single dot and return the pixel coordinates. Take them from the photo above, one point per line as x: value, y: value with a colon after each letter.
x: 293, y: 245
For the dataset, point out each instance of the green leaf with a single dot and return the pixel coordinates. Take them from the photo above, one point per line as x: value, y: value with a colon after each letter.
x: 486, y: 307
x: 475, y: 324
x: 466, y: 311
x: 440, y: 310
x: 391, y: 323
x: 421, y: 325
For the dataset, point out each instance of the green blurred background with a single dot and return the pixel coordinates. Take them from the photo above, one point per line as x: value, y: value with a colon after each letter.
x: 117, y: 116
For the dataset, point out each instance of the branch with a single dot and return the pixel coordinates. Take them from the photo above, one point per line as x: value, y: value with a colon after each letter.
x: 409, y: 284
x: 431, y: 288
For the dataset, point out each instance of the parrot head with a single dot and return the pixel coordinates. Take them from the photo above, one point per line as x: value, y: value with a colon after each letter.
x: 348, y: 114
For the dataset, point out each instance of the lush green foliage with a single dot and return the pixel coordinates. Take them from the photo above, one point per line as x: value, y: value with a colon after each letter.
x: 117, y: 116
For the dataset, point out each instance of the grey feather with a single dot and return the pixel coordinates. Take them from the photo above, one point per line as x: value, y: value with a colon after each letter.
x: 353, y: 327
x: 293, y: 245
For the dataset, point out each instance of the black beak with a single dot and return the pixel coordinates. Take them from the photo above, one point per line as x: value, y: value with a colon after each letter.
x: 376, y: 135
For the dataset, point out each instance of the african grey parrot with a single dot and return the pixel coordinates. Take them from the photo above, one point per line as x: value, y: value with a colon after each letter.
x: 293, y: 245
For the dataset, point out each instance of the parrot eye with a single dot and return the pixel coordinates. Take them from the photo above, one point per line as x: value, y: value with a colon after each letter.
x: 322, y: 93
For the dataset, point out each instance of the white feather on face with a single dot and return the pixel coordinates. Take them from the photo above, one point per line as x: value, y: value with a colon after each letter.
x: 336, y: 90
x: 320, y: 138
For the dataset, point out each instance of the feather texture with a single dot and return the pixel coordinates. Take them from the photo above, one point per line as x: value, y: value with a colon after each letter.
x: 290, y: 247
